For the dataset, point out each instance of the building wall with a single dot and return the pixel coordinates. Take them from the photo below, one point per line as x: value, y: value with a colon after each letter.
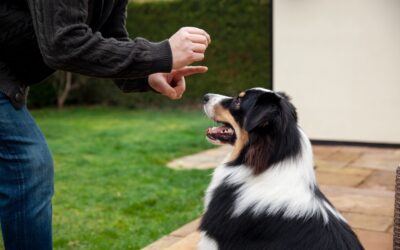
x: 340, y: 62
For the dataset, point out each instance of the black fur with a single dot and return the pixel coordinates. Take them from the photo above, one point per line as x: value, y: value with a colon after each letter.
x: 271, y: 232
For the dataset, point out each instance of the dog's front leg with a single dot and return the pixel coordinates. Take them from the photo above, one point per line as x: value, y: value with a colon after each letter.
x: 207, y: 243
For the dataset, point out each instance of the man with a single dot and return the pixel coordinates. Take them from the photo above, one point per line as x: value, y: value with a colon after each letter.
x: 89, y: 37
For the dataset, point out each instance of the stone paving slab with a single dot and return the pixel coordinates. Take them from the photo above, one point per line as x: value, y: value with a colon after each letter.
x: 341, y: 179
x: 380, y: 180
x: 379, y: 161
x: 344, y: 156
x: 175, y: 237
x: 375, y: 240
x: 364, y: 201
x: 347, y: 170
x: 187, y: 243
x: 366, y: 149
x: 163, y: 243
x: 323, y: 152
x: 376, y: 223
x: 187, y: 229
x: 350, y: 177
x: 203, y: 160
x: 329, y: 164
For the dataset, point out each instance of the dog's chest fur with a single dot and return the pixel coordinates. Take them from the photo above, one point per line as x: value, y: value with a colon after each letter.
x: 281, y: 208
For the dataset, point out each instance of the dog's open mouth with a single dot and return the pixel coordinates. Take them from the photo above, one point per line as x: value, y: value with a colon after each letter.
x: 221, y: 135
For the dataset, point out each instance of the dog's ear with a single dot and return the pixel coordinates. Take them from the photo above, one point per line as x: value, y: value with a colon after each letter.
x: 263, y: 111
x: 284, y: 95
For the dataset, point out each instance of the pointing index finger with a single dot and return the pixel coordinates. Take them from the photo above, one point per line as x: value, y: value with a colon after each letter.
x: 190, y: 70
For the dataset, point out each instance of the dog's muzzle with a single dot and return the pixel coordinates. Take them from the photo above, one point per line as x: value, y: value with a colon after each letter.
x: 209, y: 102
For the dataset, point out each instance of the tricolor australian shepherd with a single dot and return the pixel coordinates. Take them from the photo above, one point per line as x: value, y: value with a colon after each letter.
x: 265, y: 196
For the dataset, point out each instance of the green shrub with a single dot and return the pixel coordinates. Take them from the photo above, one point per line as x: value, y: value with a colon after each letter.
x: 239, y: 56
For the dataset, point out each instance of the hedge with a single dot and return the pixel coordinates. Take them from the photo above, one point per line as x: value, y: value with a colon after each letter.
x: 239, y: 56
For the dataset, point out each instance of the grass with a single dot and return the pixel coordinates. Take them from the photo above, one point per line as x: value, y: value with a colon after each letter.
x: 113, y: 190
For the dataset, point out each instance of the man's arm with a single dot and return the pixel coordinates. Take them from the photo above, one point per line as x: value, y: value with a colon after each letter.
x: 116, y: 27
x: 68, y: 43
x: 194, y: 40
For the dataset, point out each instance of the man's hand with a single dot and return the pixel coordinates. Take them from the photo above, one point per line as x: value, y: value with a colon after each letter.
x: 173, y: 84
x: 188, y: 45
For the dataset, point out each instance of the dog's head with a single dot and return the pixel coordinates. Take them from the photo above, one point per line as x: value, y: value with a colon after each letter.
x: 259, y: 123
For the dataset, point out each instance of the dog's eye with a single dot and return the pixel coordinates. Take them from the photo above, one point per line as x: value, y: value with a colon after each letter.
x: 236, y: 103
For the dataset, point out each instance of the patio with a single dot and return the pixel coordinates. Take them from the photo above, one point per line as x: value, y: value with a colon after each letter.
x: 359, y: 181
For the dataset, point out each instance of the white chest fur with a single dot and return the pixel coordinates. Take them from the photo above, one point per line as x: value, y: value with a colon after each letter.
x: 286, y: 187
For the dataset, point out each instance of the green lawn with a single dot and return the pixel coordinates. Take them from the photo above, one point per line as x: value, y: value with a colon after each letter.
x: 113, y: 190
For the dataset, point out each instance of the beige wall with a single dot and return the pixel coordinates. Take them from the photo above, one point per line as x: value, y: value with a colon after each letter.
x: 340, y: 61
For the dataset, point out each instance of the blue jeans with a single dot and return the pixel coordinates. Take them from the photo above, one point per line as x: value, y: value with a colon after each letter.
x: 26, y: 181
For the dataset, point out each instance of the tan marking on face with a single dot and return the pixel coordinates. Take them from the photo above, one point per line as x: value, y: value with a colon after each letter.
x: 242, y: 94
x: 242, y: 137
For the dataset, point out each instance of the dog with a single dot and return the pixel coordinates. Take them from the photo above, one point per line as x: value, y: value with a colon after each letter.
x: 265, y: 196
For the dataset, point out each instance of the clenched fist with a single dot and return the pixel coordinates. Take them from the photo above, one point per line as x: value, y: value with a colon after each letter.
x: 188, y: 45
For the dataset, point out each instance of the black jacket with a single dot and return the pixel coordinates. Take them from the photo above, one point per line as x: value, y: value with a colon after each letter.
x: 88, y: 37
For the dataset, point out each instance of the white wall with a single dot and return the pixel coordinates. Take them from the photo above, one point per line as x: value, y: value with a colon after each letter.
x: 340, y: 61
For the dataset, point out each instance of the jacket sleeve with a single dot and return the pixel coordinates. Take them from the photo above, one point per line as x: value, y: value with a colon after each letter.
x: 133, y: 85
x: 116, y: 27
x: 67, y: 43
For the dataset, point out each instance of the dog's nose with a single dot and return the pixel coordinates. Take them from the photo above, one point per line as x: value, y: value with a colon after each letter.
x: 206, y: 98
